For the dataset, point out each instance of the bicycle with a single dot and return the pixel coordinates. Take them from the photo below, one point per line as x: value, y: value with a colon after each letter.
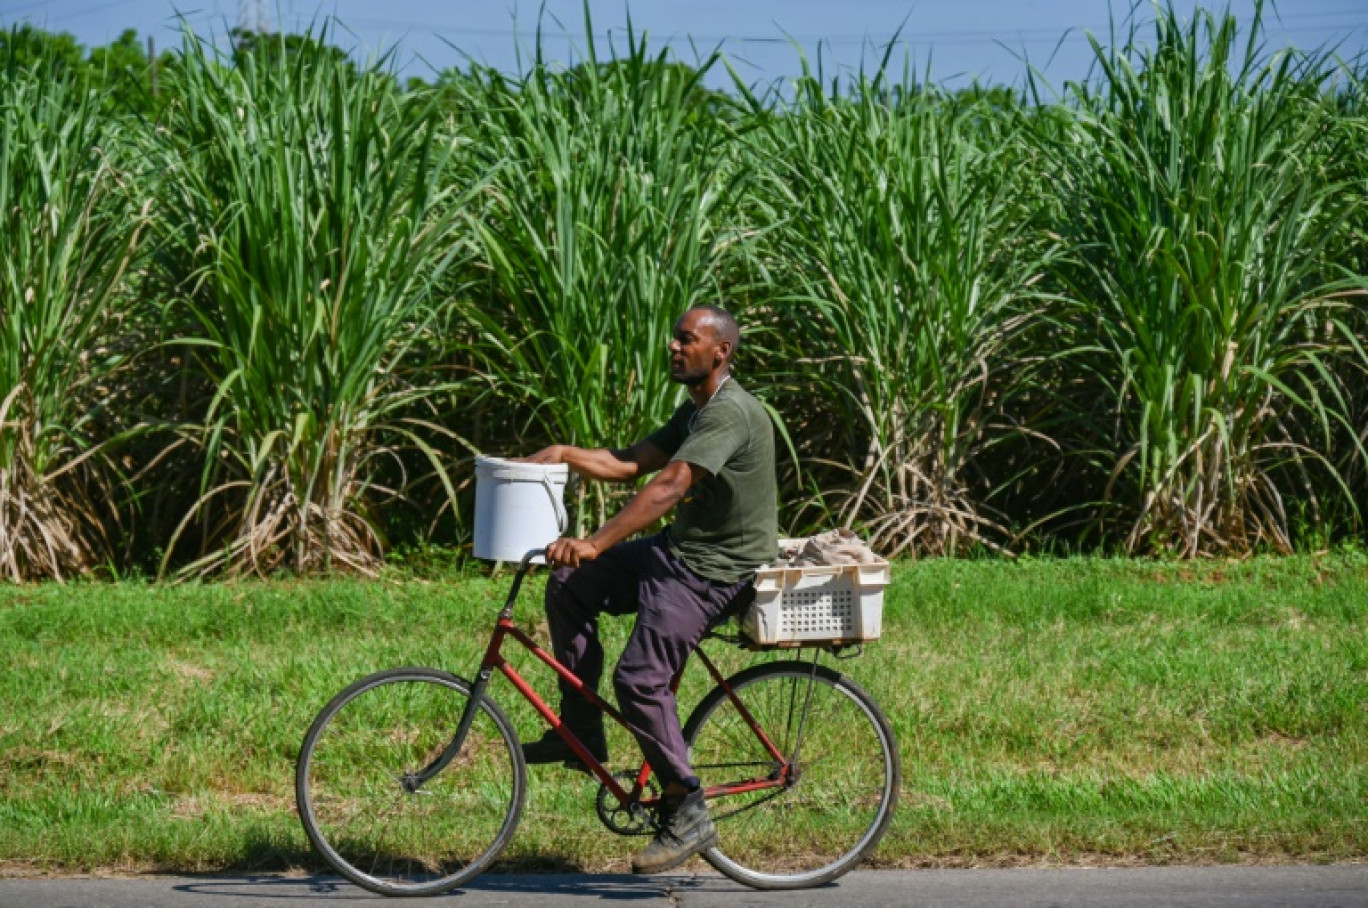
x: 799, y: 765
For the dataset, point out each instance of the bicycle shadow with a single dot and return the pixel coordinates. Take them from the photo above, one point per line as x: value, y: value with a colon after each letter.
x: 605, y: 886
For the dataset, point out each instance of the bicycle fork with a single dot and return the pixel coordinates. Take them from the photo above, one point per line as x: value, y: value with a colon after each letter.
x: 414, y: 781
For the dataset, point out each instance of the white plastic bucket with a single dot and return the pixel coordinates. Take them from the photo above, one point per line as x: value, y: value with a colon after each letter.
x: 518, y: 507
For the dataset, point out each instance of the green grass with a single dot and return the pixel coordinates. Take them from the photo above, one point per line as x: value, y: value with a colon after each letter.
x: 1072, y: 711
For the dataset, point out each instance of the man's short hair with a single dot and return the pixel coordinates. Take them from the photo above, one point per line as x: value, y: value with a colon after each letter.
x: 723, y: 322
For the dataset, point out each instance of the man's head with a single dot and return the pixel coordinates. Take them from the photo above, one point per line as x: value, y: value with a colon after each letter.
x: 705, y: 340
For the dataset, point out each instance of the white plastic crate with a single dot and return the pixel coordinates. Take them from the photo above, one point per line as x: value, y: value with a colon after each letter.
x: 817, y: 604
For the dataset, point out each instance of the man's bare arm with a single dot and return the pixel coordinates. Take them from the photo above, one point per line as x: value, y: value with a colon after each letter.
x: 603, y: 464
x: 653, y: 502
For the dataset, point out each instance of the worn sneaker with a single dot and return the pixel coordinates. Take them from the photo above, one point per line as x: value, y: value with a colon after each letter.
x: 551, y: 748
x: 685, y: 830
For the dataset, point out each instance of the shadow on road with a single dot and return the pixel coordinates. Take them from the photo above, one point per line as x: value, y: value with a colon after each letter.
x: 607, y: 887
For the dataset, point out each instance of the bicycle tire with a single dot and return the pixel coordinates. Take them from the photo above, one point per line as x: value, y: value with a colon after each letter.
x: 837, y: 810
x: 367, y: 825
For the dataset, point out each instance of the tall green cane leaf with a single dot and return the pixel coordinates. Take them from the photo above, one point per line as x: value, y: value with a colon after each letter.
x: 610, y: 216
x: 309, y: 211
x: 902, y: 212
x: 68, y: 232
x: 1195, y: 176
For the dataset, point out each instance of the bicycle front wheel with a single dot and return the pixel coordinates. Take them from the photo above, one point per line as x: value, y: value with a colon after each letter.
x: 356, y: 792
x: 843, y: 784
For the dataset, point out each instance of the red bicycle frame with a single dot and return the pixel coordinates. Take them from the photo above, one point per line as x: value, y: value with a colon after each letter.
x: 494, y: 659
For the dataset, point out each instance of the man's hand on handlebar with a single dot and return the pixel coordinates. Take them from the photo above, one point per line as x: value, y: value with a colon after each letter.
x: 570, y: 552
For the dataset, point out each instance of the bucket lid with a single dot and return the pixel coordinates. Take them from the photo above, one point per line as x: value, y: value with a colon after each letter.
x: 520, y: 471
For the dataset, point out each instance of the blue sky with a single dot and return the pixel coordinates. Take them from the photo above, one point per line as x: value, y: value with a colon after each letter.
x: 957, y: 39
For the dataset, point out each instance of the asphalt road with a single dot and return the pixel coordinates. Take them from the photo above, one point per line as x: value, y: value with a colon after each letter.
x: 1337, y: 886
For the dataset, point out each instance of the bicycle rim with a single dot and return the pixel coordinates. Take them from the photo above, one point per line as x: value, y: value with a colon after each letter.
x: 848, y: 775
x: 356, y: 810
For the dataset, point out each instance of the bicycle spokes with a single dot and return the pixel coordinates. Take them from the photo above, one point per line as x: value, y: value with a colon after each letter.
x: 789, y: 824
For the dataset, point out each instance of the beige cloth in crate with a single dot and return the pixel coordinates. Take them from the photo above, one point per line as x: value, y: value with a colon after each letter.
x: 834, y: 547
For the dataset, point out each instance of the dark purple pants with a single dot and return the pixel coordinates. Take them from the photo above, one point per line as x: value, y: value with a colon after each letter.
x: 674, y: 608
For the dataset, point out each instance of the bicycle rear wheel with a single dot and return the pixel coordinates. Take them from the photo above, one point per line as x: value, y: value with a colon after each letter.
x: 845, y: 784
x: 358, y: 811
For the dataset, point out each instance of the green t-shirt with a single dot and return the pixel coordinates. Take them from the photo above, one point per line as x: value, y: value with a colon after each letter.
x: 727, y: 526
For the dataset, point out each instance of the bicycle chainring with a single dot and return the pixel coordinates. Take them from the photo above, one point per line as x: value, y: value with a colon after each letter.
x: 634, y: 819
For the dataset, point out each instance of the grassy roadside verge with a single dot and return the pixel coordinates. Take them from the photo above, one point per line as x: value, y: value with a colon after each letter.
x: 1048, y: 711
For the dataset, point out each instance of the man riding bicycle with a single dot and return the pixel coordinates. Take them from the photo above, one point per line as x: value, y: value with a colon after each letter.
x: 714, y: 466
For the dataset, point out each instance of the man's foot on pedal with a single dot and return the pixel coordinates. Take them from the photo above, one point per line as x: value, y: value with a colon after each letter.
x: 551, y: 748
x: 685, y: 830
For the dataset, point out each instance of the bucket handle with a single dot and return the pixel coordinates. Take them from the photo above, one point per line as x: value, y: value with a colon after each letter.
x: 562, y: 518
